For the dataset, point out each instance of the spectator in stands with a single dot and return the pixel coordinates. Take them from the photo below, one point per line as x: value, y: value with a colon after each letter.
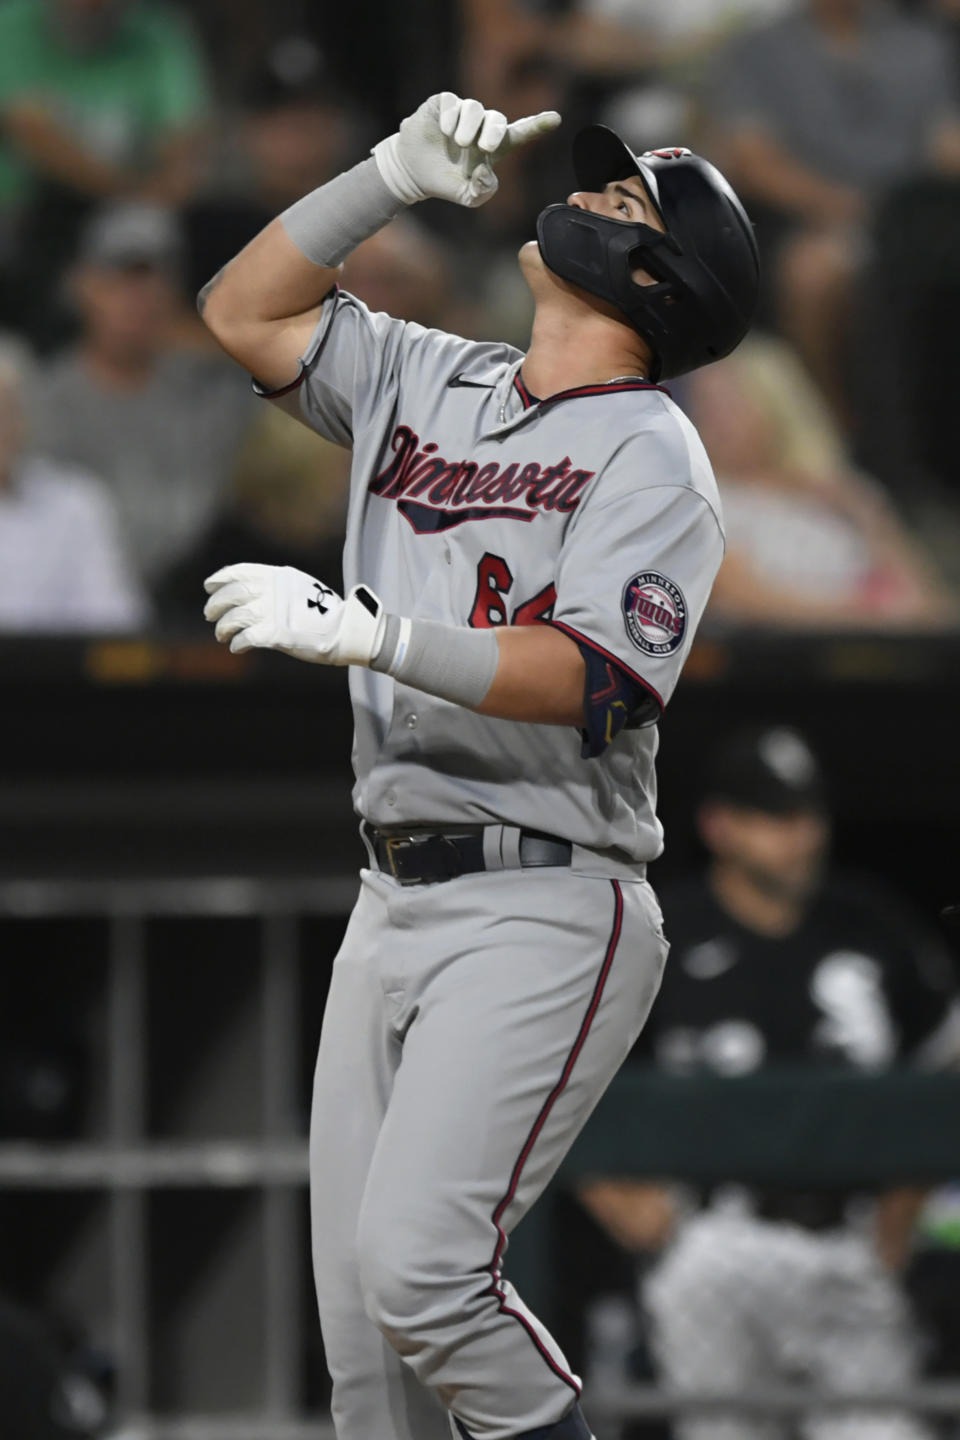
x: 651, y: 59
x: 161, y: 426
x: 405, y: 266
x: 98, y: 99
x: 614, y: 36
x: 948, y: 12
x: 287, y: 503
x: 647, y: 57
x: 288, y: 491
x: 773, y: 960
x: 62, y: 565
x: 103, y: 96
x: 811, y: 543
x: 294, y: 133
x: 494, y: 35
x: 820, y: 113
x: 485, y: 243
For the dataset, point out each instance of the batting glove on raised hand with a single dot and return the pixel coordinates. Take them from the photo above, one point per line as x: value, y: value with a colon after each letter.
x: 447, y: 149
x: 274, y: 607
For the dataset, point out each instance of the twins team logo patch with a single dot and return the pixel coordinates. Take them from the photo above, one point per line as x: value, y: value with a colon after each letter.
x: 654, y: 613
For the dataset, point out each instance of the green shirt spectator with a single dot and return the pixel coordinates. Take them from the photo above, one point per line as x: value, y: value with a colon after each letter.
x: 104, y: 97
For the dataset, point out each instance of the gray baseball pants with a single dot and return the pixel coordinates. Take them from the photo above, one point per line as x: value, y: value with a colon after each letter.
x: 740, y: 1303
x: 470, y: 1029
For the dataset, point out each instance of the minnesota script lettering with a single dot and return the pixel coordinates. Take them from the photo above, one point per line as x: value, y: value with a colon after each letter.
x: 436, y: 494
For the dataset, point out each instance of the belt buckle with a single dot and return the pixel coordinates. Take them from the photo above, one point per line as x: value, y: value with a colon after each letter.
x: 390, y: 844
x: 439, y: 848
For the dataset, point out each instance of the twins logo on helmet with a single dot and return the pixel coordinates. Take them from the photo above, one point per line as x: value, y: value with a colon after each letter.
x: 654, y: 613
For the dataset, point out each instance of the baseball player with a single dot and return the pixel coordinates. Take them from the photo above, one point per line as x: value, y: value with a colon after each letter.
x: 531, y: 541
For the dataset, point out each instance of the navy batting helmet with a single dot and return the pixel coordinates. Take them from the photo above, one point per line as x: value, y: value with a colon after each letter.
x: 704, y: 265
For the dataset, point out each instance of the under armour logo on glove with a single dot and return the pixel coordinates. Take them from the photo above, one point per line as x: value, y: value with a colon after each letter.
x: 261, y: 607
x: 324, y: 593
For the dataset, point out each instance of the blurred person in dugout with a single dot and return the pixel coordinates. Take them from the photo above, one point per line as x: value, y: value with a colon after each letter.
x: 44, y: 1393
x: 63, y: 568
x: 161, y: 424
x: 99, y: 99
x: 811, y: 543
x: 775, y: 960
x: 815, y: 118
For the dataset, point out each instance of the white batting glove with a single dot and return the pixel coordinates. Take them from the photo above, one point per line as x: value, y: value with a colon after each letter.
x: 274, y: 607
x: 447, y: 149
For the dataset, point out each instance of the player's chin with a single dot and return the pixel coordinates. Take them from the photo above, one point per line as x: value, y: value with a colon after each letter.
x: 529, y: 256
x: 546, y: 283
x: 537, y: 273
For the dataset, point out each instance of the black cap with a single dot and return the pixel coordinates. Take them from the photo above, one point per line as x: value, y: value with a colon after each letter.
x: 769, y: 768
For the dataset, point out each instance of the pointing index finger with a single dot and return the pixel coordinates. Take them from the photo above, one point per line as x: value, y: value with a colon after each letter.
x: 529, y: 128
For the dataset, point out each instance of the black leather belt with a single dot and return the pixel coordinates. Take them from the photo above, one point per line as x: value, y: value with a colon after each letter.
x: 425, y: 859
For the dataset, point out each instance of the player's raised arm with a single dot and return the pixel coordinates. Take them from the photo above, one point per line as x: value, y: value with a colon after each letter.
x: 264, y: 305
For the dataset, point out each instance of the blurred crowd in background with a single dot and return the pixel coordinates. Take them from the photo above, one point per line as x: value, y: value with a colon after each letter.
x: 142, y: 144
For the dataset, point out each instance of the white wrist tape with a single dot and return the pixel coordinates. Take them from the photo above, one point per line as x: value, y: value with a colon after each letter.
x: 450, y: 661
x: 396, y: 175
x: 330, y: 222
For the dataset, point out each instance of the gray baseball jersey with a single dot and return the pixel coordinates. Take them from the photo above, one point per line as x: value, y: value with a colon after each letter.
x: 474, y: 504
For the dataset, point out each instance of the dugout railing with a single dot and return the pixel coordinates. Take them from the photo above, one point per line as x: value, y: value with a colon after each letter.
x: 235, y: 1315
x: 781, y: 1127
x: 173, y: 1229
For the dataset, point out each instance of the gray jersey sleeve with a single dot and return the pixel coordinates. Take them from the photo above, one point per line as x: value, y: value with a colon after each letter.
x: 355, y: 362
x: 350, y: 353
x: 633, y: 580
